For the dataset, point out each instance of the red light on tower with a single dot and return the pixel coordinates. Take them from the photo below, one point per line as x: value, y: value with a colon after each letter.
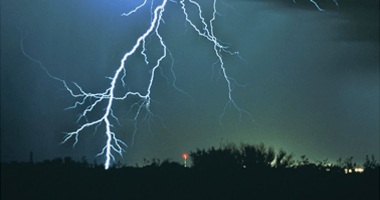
x: 184, y: 156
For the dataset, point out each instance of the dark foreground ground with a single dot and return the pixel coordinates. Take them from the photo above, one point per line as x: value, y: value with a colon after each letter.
x: 27, y: 181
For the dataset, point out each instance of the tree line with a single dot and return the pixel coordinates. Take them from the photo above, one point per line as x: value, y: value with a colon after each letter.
x: 259, y: 157
x: 228, y: 172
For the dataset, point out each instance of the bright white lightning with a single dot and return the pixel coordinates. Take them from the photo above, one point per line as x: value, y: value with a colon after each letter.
x: 112, y: 142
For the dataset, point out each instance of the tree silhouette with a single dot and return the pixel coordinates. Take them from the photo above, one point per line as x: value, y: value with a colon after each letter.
x: 283, y: 160
x: 247, y: 156
x: 304, y: 161
x: 349, y: 164
x: 212, y: 159
x: 257, y: 156
x: 370, y: 164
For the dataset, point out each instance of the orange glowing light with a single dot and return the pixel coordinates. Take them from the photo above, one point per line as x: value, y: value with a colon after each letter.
x: 185, y: 156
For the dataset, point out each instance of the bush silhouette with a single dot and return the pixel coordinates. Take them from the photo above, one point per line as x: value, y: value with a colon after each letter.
x: 228, y: 156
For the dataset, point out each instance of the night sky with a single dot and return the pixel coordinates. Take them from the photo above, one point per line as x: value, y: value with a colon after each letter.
x: 313, y: 78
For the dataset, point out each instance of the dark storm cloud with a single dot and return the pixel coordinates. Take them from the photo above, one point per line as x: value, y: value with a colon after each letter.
x: 327, y: 5
x: 360, y: 18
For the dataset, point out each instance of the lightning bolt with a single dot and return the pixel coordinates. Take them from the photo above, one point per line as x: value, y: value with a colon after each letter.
x: 113, y: 144
x: 155, y: 24
x: 208, y: 33
x: 318, y: 7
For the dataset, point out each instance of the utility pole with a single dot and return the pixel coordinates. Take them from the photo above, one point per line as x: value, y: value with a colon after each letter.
x: 185, y: 156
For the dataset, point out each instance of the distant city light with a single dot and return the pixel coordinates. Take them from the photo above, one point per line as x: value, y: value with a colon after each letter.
x: 356, y: 169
